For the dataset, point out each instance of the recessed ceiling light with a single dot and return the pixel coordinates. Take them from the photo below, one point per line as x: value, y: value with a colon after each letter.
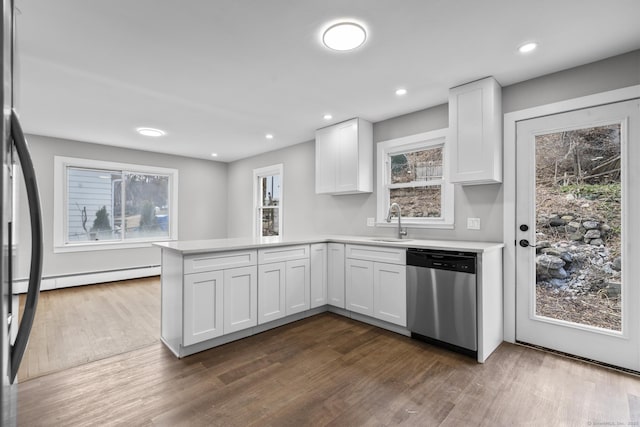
x: 214, y: 154
x: 151, y: 132
x: 401, y: 92
x: 327, y: 117
x: 528, y: 47
x: 344, y: 36
x: 268, y: 136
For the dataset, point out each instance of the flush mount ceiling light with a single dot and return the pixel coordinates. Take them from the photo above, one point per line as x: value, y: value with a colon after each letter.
x: 343, y: 36
x: 151, y: 132
x: 528, y: 47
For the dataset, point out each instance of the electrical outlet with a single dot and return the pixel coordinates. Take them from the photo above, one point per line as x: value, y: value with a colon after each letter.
x: 371, y: 222
x: 473, y: 223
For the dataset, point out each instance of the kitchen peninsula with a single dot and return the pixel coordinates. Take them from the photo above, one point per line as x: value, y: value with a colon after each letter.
x: 218, y: 291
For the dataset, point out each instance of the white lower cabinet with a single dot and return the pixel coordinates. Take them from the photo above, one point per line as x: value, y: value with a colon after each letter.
x: 390, y: 293
x: 203, y: 318
x: 374, y: 288
x: 240, y: 299
x: 359, y: 286
x: 297, y: 286
x: 319, y: 270
x: 335, y: 275
x: 271, y: 292
x: 283, y: 287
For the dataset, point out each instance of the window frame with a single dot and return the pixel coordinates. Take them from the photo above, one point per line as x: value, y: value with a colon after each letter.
x: 407, y: 144
x: 60, y: 214
x: 258, y: 174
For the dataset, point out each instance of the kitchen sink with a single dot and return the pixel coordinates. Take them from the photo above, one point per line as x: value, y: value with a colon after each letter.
x: 390, y: 239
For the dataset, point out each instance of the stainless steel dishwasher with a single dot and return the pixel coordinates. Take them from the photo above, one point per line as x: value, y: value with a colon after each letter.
x: 441, y: 298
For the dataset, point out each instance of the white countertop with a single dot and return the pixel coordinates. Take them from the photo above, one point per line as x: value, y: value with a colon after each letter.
x: 187, y: 247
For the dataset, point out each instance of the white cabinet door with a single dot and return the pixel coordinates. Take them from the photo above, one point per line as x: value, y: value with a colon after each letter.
x: 325, y: 162
x: 335, y: 274
x: 346, y: 146
x: 271, y: 292
x: 359, y: 286
x: 390, y: 293
x: 318, y: 274
x: 297, y: 285
x: 240, y: 298
x: 344, y: 158
x: 202, y: 307
x: 475, y: 123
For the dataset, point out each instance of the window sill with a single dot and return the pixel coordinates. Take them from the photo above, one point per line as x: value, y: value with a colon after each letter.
x: 105, y: 246
x: 432, y: 225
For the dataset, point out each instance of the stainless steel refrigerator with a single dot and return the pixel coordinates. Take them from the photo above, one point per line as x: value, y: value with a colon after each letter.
x: 16, y: 161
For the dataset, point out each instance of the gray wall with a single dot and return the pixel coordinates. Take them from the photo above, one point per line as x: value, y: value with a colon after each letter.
x: 305, y: 212
x: 202, y: 214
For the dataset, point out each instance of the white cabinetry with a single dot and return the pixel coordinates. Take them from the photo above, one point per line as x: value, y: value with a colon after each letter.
x: 271, y: 292
x: 376, y: 282
x: 344, y: 158
x: 475, y: 123
x: 297, y: 286
x: 335, y: 275
x: 359, y: 278
x: 219, y: 295
x: 390, y: 293
x: 202, y: 307
x: 283, y: 282
x: 319, y: 272
x: 240, y: 299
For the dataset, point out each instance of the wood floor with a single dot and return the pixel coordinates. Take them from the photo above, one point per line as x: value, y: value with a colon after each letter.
x: 82, y: 324
x: 330, y: 370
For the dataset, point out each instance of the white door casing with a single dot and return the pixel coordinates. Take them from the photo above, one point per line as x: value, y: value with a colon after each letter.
x: 619, y: 348
x: 509, y: 185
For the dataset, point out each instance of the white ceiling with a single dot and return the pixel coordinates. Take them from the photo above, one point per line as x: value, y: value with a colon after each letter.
x: 218, y: 75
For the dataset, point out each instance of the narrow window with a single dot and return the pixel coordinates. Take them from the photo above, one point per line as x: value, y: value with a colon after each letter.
x: 268, y: 201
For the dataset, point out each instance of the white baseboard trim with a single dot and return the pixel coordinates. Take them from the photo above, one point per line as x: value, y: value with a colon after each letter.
x: 59, y: 282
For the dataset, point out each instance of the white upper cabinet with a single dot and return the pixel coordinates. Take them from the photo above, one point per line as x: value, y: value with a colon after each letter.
x: 475, y: 123
x: 344, y: 158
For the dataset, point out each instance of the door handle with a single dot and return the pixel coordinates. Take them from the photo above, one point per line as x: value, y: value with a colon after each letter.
x: 35, y: 270
x: 525, y: 243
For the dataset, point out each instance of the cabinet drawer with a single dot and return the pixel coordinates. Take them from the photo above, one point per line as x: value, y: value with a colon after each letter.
x: 282, y: 253
x: 218, y: 261
x: 377, y: 253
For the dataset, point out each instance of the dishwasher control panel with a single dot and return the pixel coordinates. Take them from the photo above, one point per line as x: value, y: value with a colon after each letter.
x: 443, y: 260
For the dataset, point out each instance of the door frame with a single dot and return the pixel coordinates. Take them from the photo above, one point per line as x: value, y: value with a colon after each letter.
x: 509, y: 185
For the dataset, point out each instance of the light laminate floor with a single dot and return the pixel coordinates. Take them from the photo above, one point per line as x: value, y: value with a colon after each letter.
x: 87, y: 323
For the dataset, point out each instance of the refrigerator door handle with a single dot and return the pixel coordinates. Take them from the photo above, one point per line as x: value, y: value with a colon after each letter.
x: 35, y: 271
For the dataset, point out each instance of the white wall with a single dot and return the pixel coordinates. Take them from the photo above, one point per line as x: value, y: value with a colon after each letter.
x: 305, y: 212
x: 202, y: 213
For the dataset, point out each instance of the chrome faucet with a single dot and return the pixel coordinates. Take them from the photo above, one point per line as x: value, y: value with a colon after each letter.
x: 396, y: 207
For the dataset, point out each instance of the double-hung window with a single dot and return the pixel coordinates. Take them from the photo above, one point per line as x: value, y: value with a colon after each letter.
x: 105, y: 204
x: 412, y: 173
x: 267, y: 192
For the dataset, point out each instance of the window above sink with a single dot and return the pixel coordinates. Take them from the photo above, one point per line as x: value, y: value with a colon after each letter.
x: 412, y: 172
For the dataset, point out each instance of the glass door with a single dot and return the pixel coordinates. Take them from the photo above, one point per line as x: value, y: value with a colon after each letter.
x: 577, y: 285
